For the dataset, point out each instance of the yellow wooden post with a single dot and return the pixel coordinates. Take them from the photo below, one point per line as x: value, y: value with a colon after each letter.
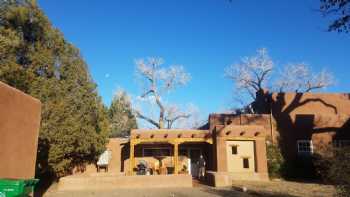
x: 176, y: 157
x: 131, y: 158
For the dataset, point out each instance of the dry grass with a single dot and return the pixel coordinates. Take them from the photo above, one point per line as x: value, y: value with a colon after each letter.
x: 285, y: 188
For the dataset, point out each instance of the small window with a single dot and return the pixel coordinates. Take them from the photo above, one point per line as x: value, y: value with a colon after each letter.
x: 234, y: 150
x: 245, y: 162
x: 305, y: 146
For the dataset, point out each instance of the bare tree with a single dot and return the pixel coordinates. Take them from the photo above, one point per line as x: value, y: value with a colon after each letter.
x: 156, y: 81
x: 190, y: 119
x: 252, y: 73
x: 174, y: 113
x: 299, y: 78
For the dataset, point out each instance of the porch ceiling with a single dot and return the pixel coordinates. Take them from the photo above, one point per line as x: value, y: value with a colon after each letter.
x: 170, y: 136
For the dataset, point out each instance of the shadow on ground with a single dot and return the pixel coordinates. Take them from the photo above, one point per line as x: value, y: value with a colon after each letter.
x: 233, y: 192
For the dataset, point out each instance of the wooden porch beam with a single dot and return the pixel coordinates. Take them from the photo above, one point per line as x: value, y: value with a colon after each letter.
x: 132, y: 158
x: 176, y: 158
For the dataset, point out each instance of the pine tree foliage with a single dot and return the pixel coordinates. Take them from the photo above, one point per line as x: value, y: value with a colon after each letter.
x: 121, y: 117
x: 35, y: 58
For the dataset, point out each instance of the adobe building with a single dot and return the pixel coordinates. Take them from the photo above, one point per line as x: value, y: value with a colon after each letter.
x: 230, y: 151
x: 234, y: 148
x: 305, y: 123
x: 19, y: 129
x: 233, y: 145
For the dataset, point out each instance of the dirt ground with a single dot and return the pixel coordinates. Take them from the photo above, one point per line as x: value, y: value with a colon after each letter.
x: 254, y: 189
x: 161, y: 192
x: 286, y: 188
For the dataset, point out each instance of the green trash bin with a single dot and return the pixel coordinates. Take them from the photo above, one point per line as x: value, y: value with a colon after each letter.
x: 17, y: 187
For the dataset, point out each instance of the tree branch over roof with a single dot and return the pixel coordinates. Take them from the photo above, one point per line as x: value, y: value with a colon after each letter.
x: 139, y: 115
x: 159, y: 80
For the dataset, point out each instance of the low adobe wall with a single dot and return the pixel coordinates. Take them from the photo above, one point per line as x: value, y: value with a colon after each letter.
x: 224, y: 179
x: 106, y: 182
x: 19, y: 130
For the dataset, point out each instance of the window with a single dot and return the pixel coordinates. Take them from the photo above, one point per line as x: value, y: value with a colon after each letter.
x: 234, y: 149
x: 153, y: 152
x: 245, y: 162
x: 305, y: 146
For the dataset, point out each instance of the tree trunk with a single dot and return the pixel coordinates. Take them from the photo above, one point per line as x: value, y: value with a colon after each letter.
x: 161, y: 119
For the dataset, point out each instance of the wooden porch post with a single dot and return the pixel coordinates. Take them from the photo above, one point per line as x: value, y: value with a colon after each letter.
x: 176, y: 157
x: 132, y: 158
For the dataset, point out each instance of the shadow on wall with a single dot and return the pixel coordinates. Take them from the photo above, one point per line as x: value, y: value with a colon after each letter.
x: 343, y: 132
x: 292, y: 126
x: 125, y: 154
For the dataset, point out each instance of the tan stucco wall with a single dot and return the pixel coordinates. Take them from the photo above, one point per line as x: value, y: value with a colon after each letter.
x: 19, y: 130
x: 252, y: 139
x: 245, y: 149
x: 115, y: 146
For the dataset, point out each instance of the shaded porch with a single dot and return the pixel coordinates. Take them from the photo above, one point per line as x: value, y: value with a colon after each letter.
x: 164, y: 152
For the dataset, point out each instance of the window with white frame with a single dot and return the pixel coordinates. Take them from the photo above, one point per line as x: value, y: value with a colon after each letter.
x: 305, y: 146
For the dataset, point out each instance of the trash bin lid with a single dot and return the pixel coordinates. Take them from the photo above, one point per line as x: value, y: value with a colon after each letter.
x: 11, y: 181
x: 17, y: 182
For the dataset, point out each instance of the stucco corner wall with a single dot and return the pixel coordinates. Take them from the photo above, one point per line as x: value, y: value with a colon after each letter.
x: 20, y: 116
x: 225, y: 179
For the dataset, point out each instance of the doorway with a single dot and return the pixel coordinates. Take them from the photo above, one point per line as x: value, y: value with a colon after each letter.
x: 194, y: 154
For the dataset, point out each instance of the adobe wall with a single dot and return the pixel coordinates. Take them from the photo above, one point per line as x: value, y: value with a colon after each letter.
x: 229, y: 134
x: 115, y: 165
x: 250, y: 123
x: 311, y: 116
x: 264, y: 120
x: 19, y: 130
x: 312, y: 103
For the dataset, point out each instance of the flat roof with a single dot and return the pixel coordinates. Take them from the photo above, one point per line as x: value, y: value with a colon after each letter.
x: 169, y: 133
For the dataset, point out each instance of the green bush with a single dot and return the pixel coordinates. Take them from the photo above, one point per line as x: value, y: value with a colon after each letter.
x: 333, y: 166
x: 339, y: 172
x: 36, y: 58
x: 275, y: 161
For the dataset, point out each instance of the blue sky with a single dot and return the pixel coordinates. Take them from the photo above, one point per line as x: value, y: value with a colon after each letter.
x: 204, y: 36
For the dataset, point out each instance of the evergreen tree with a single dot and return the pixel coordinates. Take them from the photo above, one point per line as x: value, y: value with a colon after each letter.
x: 35, y: 58
x: 121, y: 117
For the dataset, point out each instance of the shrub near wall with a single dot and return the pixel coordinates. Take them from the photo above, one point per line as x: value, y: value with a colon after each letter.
x: 339, y: 171
x: 300, y: 168
x: 334, y: 167
x: 275, y: 161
